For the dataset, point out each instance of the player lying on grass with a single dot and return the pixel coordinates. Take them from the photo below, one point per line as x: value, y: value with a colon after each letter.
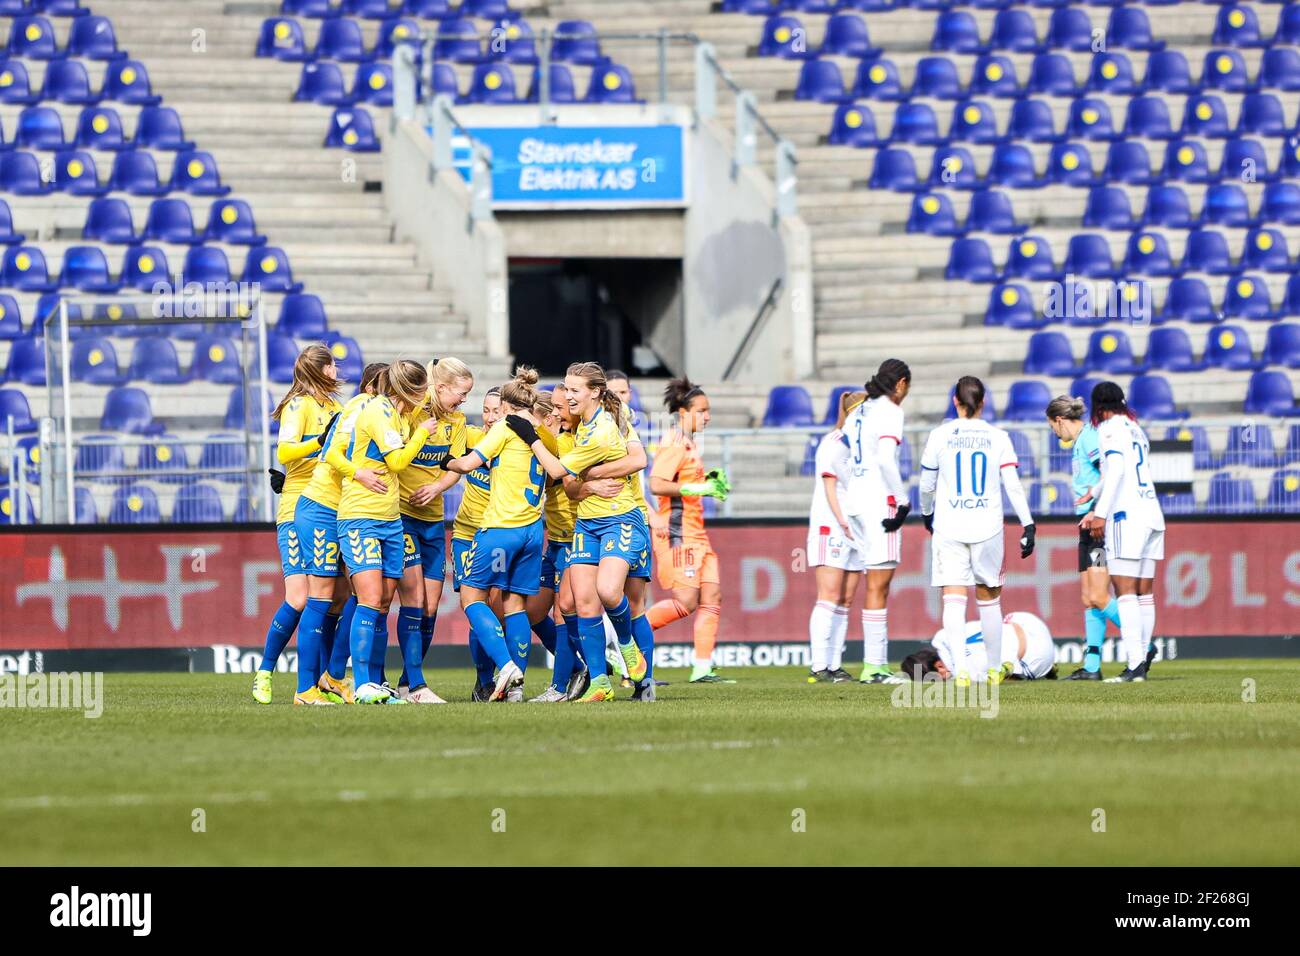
x: 1027, y: 651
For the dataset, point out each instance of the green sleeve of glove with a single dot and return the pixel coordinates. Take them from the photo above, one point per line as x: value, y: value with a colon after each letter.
x: 697, y: 489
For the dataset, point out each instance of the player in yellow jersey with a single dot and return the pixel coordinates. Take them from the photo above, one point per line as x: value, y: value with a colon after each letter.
x: 611, y: 533
x: 316, y: 519
x: 507, y: 549
x: 370, y: 524
x: 425, y: 538
x: 305, y: 414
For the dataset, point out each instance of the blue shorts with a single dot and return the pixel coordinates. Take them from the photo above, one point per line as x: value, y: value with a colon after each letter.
x: 507, y: 558
x: 459, y: 560
x: 554, y: 562
x: 319, y: 527
x: 373, y: 545
x: 621, y: 536
x: 426, y: 545
x: 291, y: 557
x: 643, y: 567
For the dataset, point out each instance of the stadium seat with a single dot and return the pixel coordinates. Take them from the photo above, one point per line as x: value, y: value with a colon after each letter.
x: 429, y: 9
x: 216, y: 359
x: 1229, y: 495
x: 1228, y: 347
x: 1148, y: 117
x: 846, y: 35
x: 134, y: 504
x: 560, y: 81
x: 159, y: 127
x: 26, y: 363
x: 353, y: 129
x: 32, y: 38
x: 100, y: 128
x: 392, y: 34
x: 1226, y: 205
x: 143, y: 267
x: 127, y: 81
x: 932, y: 214
x: 373, y: 84
x: 1205, y: 116
x: 135, y: 172
x: 820, y: 81
x: 1168, y: 205
x: 878, y: 79
x: 1111, y: 353
x: 492, y: 83
x: 222, y: 458
x: 15, y: 85
x: 1279, y: 69
x: 954, y: 167
x: 854, y: 125
x: 66, y: 81
x: 1282, y: 345
x: 1203, y: 458
x: 1266, y: 250
x: 1284, y: 492
x: 973, y: 122
x: 1012, y: 166
x: 994, y: 75
x: 1030, y: 257
x: 1049, y: 497
x: 322, y: 83
x: 611, y: 83
x: 1249, y: 446
x: 1246, y: 297
x: 784, y: 37
x: 1112, y: 73
x: 347, y: 355
x: 1027, y: 401
x: 1014, y: 31
x: 1170, y: 350
x: 1261, y: 115
x: 13, y: 404
x: 40, y: 127
x: 127, y: 409
x: 315, y: 9
x: 120, y: 314
x: 231, y: 221
x: 23, y: 268
x: 1070, y: 164
x: 154, y: 360
x: 1088, y: 255
x: 1151, y: 397
x: 955, y: 31
x: 970, y: 259
x: 916, y: 124
x: 1128, y: 162
x: 1128, y: 27
x: 1011, y: 305
x: 369, y: 9
x: 197, y: 503
x: 341, y: 40
x: 93, y: 360
x: 1168, y: 72
x: 109, y: 220
x: 282, y: 38
x: 170, y: 220
x: 1090, y: 119
x: 1108, y: 207
x: 11, y: 319
x: 458, y: 41
x: 302, y: 316
x: 936, y: 77
x: 206, y: 265
x: 1148, y: 255
x: 894, y: 169
x: 1027, y: 460
x: 1049, y: 353
x: 85, y: 268
x: 576, y: 42
x: 788, y: 406
x: 281, y: 354
x: 1225, y: 70
x: 165, y: 460
x: 195, y: 172
x: 1189, y: 299
x: 100, y: 457
x: 1186, y: 161
x: 93, y: 38
x: 269, y: 266
x: 1207, y: 251
x: 991, y: 211
x: 513, y: 41
x: 1069, y: 28
x: 75, y: 174
x: 1236, y: 25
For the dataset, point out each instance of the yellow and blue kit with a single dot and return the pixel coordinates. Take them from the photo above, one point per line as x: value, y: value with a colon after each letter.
x: 316, y: 516
x: 422, y: 525
x: 478, y: 488
x: 606, y: 527
x: 561, y: 514
x: 302, y: 422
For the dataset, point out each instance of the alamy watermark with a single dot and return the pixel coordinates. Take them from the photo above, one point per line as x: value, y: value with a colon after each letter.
x: 82, y: 691
x: 933, y: 693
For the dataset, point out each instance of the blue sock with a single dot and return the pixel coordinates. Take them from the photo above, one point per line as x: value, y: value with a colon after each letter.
x: 1094, y: 623
x: 310, y: 626
x: 621, y: 618
x: 592, y: 630
x: 278, y: 634
x: 1111, y: 612
x: 644, y: 635
x: 427, y: 625
x: 329, y: 631
x: 343, y: 641
x: 379, y: 649
x: 566, y: 655
x: 360, y: 641
x: 545, y: 631
x: 488, y: 631
x: 483, y: 666
x: 410, y: 640
x: 519, y: 638
x: 575, y: 638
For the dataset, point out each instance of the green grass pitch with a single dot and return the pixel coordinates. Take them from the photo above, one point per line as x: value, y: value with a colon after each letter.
x: 1184, y: 771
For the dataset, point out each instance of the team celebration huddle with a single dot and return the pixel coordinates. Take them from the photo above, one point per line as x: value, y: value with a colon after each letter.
x: 553, y: 535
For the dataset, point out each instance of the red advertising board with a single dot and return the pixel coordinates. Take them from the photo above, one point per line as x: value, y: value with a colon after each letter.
x: 193, y: 587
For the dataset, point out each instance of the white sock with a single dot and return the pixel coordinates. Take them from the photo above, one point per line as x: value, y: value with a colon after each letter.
x: 991, y: 628
x: 839, y: 634
x: 612, y: 653
x: 954, y: 628
x: 821, y: 624
x: 1130, y: 630
x: 1147, y: 604
x: 875, y: 637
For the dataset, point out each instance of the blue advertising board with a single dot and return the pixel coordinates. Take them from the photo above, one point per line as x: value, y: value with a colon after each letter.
x: 584, y: 167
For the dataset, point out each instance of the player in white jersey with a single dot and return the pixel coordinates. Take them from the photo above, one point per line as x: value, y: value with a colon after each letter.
x: 836, y: 562
x: 1128, y: 517
x: 875, y: 502
x: 965, y: 466
x: 1027, y: 650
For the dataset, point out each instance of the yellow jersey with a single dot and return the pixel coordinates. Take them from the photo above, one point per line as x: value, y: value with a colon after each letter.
x: 518, y: 486
x: 561, y: 510
x: 599, y: 440
x: 381, y: 438
x: 302, y: 423
x: 326, y: 482
x: 478, y: 487
x: 448, y: 437
x: 632, y: 436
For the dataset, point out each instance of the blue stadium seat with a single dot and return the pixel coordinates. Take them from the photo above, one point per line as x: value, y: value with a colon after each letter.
x: 611, y: 83
x: 1225, y: 70
x: 1228, y: 347
x: 15, y: 85
x: 1170, y: 350
x: 429, y: 9
x: 66, y: 81
x: 846, y: 35
x: 1027, y: 401
x: 1148, y: 254
x: 785, y: 37
x: 231, y: 221
x: 878, y: 80
x: 1148, y: 117
x: 196, y: 173
x: 954, y: 167
x: 170, y: 220
x: 166, y: 461
x: 936, y: 77
x: 458, y: 40
x: 341, y: 40
x: 916, y: 124
x: 972, y: 260
x: 13, y: 509
x: 1280, y: 70
x: 991, y: 211
x: 127, y: 409
x: 1226, y: 205
x: 955, y: 31
x: 973, y: 122
x: 1168, y: 205
x: 143, y: 266
x: 854, y: 125
x: 13, y: 404
x: 894, y: 169
x: 26, y: 363
x: 7, y: 235
x: 486, y: 9
x: 994, y: 75
x: 1207, y: 251
x: 75, y: 174
x: 1088, y: 255
x: 1261, y: 115
x: 833, y: 402
x: 1030, y: 257
x: 1189, y: 299
x: 127, y: 81
x: 85, y: 268
x: 269, y: 266
x: 159, y: 127
x: 281, y: 354
x: 135, y: 172
x: 1290, y: 165
x: 1151, y: 397
x: 1168, y: 72
x: 1284, y: 492
x: 1203, y: 457
x: 134, y: 504
x: 205, y: 265
x: 315, y: 9
x: 369, y: 9
x: 1128, y: 162
x: 373, y: 84
x: 32, y: 38
x: 1246, y: 297
x: 1229, y: 495
x: 1070, y: 164
x: 1236, y: 25
x: 1282, y: 345
x: 1011, y: 304
x: 23, y: 267
x: 352, y: 128
x: 1049, y: 353
x: 109, y: 220
x: 216, y: 359
x: 1050, y: 497
x: 1266, y: 250
x: 1032, y: 120
x: 100, y: 128
x: 154, y: 360
x: 1113, y: 73
x: 11, y: 319
x: 93, y: 38
x: 1205, y: 116
x: 513, y: 41
x: 1111, y: 353
x: 932, y: 214
x: 1014, y: 30
x: 120, y: 314
x: 1090, y: 119
x: 820, y: 80
x: 347, y: 356
x: 282, y: 38
x: 1291, y: 299
x: 1027, y: 461
x: 94, y: 360
x: 492, y: 83
x: 1249, y: 446
x: 1108, y: 207
x: 576, y: 42
x: 100, y: 457
x: 1069, y: 28
x: 1129, y: 27
x: 322, y: 83
x: 562, y: 88
x: 302, y: 316
x: 1269, y: 393
x: 1242, y: 156
x: 198, y: 503
x: 1013, y: 166
x: 1288, y: 26
x: 40, y: 127
x: 392, y: 34
x: 787, y: 406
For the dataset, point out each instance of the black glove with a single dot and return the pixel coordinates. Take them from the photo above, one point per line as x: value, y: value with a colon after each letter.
x: 522, y: 427
x: 320, y: 439
x: 277, y: 480
x: 896, y: 522
x: 1026, y: 541
x: 442, y: 462
x: 929, y: 522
